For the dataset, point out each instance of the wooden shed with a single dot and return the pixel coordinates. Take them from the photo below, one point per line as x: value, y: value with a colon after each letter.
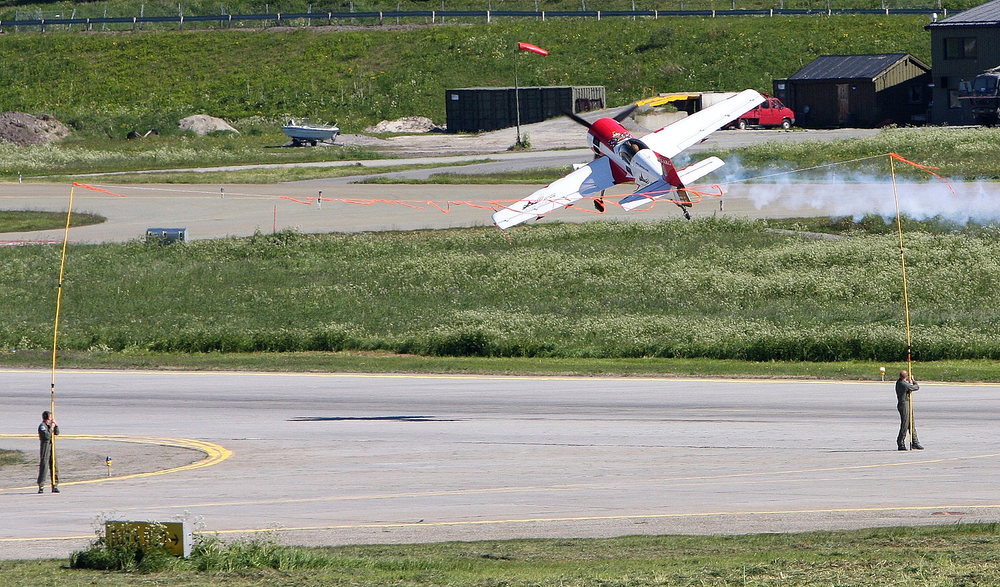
x: 860, y: 91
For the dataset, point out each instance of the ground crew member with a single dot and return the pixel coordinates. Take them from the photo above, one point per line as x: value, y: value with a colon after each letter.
x: 905, y: 385
x: 46, y: 430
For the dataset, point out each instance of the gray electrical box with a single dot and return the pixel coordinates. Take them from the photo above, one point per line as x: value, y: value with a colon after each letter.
x: 166, y: 236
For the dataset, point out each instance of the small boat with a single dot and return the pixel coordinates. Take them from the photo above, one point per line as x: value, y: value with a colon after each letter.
x: 302, y: 131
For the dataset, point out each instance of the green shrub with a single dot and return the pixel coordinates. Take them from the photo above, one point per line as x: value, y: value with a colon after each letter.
x: 126, y: 550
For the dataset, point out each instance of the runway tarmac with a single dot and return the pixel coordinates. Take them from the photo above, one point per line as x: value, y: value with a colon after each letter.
x: 215, y: 211
x: 332, y: 459
x: 336, y: 205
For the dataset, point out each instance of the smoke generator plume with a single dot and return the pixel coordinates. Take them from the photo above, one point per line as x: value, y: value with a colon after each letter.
x: 847, y: 194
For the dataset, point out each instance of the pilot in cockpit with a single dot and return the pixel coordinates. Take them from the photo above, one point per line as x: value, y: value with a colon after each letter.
x: 629, y: 149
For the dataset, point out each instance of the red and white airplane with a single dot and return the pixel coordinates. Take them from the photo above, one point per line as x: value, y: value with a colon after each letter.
x: 622, y: 158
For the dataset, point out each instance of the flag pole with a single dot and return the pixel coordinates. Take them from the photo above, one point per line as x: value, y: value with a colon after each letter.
x: 517, y: 91
x: 906, y: 298
x: 55, y: 335
x: 517, y: 97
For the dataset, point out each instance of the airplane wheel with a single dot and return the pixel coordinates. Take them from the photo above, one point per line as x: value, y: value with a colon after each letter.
x: 786, y: 124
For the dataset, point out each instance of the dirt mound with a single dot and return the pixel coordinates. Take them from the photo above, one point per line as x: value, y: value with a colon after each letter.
x: 202, y: 124
x: 24, y: 129
x: 405, y: 124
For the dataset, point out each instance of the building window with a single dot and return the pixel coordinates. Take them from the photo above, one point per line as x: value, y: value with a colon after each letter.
x: 916, y: 94
x: 960, y: 48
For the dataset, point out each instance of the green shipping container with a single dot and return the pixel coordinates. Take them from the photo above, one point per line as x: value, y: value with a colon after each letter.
x: 485, y: 109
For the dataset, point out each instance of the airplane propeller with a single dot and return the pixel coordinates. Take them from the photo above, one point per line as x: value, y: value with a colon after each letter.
x: 625, y: 113
x: 578, y: 119
x: 582, y: 121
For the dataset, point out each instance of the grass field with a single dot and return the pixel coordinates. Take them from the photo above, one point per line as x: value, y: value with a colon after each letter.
x: 711, y: 288
x: 952, y: 555
x: 104, y: 86
x: 11, y: 457
x: 28, y: 220
x: 981, y: 370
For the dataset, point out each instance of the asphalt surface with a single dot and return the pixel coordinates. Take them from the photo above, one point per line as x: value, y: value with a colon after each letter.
x: 214, y: 210
x: 332, y: 459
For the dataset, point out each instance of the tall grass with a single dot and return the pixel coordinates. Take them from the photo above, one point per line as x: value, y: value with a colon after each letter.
x: 959, y: 554
x: 713, y: 288
x: 125, y: 552
x: 127, y: 549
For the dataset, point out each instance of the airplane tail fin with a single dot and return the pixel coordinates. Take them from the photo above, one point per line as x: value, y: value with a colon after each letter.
x: 675, y: 190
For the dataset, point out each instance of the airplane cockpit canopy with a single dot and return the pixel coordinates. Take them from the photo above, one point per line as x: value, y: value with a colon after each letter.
x: 628, y: 149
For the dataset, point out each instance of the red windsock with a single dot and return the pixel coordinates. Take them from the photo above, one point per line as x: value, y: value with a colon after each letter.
x: 532, y: 48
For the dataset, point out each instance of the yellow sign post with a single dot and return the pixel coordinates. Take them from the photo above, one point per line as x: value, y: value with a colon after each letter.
x: 172, y: 537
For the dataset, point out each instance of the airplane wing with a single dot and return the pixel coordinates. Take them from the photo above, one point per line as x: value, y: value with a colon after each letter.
x: 588, y: 180
x: 661, y: 188
x: 671, y: 140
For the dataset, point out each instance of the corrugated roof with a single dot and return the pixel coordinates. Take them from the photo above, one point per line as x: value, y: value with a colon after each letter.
x: 868, y: 67
x: 983, y: 15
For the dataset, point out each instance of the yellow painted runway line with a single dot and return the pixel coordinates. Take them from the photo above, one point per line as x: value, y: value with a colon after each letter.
x: 217, y: 454
x: 683, y: 515
x: 829, y: 469
x: 48, y: 538
x: 214, y: 454
x: 762, y: 477
x: 563, y: 519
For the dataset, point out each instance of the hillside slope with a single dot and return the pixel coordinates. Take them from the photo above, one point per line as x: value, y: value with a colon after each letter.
x: 103, y: 84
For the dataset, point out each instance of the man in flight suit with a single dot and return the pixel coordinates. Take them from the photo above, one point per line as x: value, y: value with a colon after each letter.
x: 905, y: 385
x: 46, y: 430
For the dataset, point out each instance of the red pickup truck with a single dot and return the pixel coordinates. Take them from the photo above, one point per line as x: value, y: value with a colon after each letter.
x: 769, y: 113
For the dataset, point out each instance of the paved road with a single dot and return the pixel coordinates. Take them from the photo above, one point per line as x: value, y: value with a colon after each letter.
x: 363, y: 459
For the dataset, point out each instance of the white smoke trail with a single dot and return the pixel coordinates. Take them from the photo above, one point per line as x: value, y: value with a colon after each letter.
x: 844, y: 194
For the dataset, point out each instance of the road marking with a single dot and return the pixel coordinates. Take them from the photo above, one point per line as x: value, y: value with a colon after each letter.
x: 565, y: 519
x: 214, y: 454
x: 761, y: 477
x: 606, y: 518
x: 47, y: 538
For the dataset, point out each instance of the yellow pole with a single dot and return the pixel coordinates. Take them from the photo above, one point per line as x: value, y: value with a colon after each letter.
x: 55, y: 333
x: 906, y: 299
